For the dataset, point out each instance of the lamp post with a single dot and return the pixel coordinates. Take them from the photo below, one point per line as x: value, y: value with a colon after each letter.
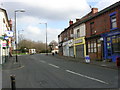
x: 46, y: 49
x: 16, y: 31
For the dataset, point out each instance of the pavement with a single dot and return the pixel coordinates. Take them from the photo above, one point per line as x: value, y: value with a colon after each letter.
x: 102, y: 63
x: 11, y: 64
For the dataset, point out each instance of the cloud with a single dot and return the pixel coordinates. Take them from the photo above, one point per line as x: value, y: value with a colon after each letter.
x: 51, y: 11
x: 102, y: 4
x: 39, y: 34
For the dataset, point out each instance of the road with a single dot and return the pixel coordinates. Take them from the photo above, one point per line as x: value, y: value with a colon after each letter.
x: 41, y: 71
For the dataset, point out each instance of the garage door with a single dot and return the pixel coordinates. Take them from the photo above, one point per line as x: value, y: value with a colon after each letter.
x: 80, y: 51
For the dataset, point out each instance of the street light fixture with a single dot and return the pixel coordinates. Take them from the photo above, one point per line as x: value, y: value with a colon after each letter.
x: 16, y: 31
x: 46, y: 38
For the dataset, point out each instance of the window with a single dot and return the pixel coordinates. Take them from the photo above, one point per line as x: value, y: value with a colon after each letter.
x: 92, y: 47
x: 92, y: 28
x: 89, y: 47
x: 95, y: 49
x: 78, y: 33
x: 113, y: 21
x: 116, y: 44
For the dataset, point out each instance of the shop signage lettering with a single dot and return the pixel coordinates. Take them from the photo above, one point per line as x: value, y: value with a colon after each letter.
x: 79, y: 41
x: 113, y: 33
x: 4, y: 44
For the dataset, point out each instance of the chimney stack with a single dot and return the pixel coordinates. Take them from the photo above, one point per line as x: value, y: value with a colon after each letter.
x: 94, y: 10
x: 10, y: 23
x: 70, y: 22
x: 77, y: 19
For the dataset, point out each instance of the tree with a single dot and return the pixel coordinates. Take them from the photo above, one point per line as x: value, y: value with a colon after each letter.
x: 52, y: 45
x: 28, y: 44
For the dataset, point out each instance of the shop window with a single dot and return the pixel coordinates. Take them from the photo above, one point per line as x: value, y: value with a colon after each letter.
x: 108, y: 38
x: 116, y: 44
x: 89, y: 47
x: 95, y: 48
x: 92, y: 48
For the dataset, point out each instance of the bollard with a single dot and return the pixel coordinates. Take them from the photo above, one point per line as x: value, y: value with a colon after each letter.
x: 13, y: 82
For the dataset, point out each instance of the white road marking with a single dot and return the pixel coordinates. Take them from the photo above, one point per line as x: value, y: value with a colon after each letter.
x: 87, y: 77
x: 42, y: 61
x: 53, y: 65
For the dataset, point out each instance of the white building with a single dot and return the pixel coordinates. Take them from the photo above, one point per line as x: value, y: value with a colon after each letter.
x: 4, y: 43
x: 79, y: 40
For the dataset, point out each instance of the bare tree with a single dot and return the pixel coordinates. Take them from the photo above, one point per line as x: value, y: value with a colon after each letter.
x: 29, y: 44
x: 52, y: 45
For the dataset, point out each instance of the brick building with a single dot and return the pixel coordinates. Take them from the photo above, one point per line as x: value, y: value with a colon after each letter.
x: 100, y: 29
x: 66, y: 41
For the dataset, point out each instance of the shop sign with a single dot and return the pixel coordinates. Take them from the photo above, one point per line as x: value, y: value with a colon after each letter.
x: 79, y: 41
x: 70, y: 43
x: 4, y: 44
x: 110, y: 34
x: 6, y: 37
x: 9, y: 33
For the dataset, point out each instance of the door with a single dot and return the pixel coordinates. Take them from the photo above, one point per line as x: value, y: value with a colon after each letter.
x: 109, y: 47
x: 80, y: 51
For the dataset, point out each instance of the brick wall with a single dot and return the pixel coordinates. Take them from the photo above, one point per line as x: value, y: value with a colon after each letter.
x: 102, y: 23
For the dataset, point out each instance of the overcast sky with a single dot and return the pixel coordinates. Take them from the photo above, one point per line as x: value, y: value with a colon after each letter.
x: 56, y: 13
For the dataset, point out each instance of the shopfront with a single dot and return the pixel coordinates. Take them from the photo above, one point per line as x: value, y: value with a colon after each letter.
x: 65, y: 49
x: 80, y: 47
x: 95, y: 47
x: 111, y: 45
x: 71, y: 48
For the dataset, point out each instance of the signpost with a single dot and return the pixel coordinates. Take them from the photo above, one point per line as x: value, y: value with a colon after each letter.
x: 87, y: 59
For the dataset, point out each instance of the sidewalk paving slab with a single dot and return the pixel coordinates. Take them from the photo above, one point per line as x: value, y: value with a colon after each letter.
x: 102, y: 63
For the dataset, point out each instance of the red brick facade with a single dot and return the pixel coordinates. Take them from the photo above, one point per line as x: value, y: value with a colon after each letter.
x: 102, y: 23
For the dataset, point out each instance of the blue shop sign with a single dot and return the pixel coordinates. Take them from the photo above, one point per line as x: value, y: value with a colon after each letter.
x: 110, y: 34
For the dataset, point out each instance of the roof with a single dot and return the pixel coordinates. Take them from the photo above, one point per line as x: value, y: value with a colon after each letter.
x: 84, y: 19
x: 5, y: 14
x: 99, y: 13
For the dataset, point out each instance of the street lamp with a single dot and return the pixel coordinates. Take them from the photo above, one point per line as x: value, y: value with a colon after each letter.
x: 46, y: 38
x: 15, y: 31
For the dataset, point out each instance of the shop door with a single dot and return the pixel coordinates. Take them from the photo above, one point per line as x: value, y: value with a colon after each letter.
x: 71, y: 51
x: 109, y: 47
x: 99, y: 53
x: 80, y: 51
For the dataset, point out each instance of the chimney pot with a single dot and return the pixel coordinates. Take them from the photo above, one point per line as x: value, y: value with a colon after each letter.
x: 70, y: 22
x: 94, y: 10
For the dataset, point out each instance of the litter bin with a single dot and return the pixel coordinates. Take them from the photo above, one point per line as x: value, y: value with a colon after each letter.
x: 118, y: 61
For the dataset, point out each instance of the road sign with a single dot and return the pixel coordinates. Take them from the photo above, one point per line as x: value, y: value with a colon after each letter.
x: 9, y: 33
x: 87, y: 59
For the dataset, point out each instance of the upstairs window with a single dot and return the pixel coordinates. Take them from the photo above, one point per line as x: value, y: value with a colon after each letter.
x: 113, y: 20
x: 78, y: 33
x: 92, y: 28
